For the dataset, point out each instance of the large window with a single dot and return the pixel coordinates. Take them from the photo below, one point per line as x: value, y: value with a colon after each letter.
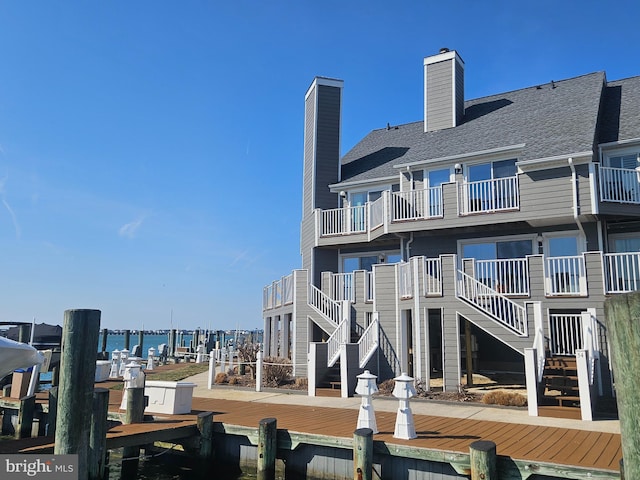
x: 491, y: 170
x: 366, y: 262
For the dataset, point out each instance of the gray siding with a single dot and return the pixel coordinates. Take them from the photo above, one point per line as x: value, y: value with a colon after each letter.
x: 327, y: 146
x: 309, y: 154
x: 440, y: 110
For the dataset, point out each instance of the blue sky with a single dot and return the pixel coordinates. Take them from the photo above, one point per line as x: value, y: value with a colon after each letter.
x: 151, y: 151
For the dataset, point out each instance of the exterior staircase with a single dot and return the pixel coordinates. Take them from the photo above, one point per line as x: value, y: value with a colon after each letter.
x: 560, y: 395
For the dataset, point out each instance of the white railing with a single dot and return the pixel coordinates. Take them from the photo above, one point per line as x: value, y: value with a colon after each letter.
x: 339, y: 337
x: 565, y: 276
x: 376, y: 212
x: 509, y: 276
x: 619, y: 185
x: 267, y: 297
x: 622, y: 272
x: 342, y: 287
x: 343, y: 221
x: 565, y: 332
x: 277, y: 293
x: 324, y: 304
x: 432, y: 276
x: 435, y: 204
x: 368, y: 342
x: 405, y: 280
x: 490, y: 195
x: 369, y: 285
x: 488, y: 300
x: 407, y: 205
x: 287, y: 289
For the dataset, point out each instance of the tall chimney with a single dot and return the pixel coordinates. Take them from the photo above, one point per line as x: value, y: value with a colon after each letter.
x: 443, y: 90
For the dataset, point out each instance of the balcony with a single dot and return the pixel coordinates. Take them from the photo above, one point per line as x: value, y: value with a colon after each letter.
x: 619, y: 185
x: 488, y: 196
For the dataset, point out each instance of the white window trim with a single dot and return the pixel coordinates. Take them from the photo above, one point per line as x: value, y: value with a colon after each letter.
x: 620, y: 236
x: 425, y: 176
x: 620, y: 152
x: 465, y: 166
x: 582, y: 241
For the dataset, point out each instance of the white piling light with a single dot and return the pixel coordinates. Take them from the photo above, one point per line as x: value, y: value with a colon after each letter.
x: 150, y: 362
x: 115, y: 364
x: 367, y: 387
x: 124, y: 356
x: 133, y: 378
x: 403, y: 391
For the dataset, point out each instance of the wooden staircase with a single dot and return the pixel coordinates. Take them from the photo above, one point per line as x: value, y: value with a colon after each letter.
x: 560, y: 396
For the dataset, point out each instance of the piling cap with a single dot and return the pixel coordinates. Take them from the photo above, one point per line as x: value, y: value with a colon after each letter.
x: 366, y: 384
x: 404, y: 388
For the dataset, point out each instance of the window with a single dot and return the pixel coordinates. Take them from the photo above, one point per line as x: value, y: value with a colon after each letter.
x: 366, y: 262
x: 491, y: 170
x: 629, y: 161
x: 490, y: 186
x: 434, y: 179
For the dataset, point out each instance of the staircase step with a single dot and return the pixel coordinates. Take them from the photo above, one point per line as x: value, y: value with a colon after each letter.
x: 560, y: 412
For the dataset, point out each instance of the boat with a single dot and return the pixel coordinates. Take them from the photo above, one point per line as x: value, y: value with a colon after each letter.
x: 15, y: 355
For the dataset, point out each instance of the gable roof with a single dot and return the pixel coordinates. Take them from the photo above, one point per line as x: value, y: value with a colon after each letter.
x: 557, y: 118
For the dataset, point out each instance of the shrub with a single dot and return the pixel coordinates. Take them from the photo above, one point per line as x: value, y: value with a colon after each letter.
x: 302, y: 383
x: 221, y: 378
x: 277, y: 371
x: 233, y: 381
x: 507, y: 399
x: 386, y: 387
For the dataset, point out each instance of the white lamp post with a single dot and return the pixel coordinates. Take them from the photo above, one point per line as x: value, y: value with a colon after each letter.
x: 115, y: 364
x: 150, y: 354
x: 404, y: 390
x: 367, y: 387
x: 133, y: 378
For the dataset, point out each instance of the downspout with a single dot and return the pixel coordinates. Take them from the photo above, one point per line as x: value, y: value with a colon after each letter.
x: 407, y: 246
x: 576, y: 207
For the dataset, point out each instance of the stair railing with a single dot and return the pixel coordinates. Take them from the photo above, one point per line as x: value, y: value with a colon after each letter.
x: 339, y: 337
x: 368, y: 342
x: 324, y: 305
x: 504, y: 310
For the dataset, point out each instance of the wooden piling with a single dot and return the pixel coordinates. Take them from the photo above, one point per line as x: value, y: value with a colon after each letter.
x: 172, y: 342
x: 267, y: 448
x: 96, y: 464
x: 134, y: 414
x: 205, y: 427
x: 127, y: 340
x: 105, y: 334
x: 141, y: 342
x: 483, y: 460
x: 77, y: 375
x: 24, y: 333
x: 25, y: 416
x: 363, y: 454
x: 55, y: 376
x: 6, y: 391
x: 53, y: 412
x: 623, y: 324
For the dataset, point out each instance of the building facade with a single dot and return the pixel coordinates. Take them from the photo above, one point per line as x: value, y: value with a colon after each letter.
x: 485, y: 236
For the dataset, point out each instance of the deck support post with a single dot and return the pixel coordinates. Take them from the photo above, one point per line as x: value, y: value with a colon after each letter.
x: 363, y: 454
x: 483, y: 460
x: 141, y: 341
x: 623, y: 323
x: 205, y: 427
x: 98, y: 436
x: 135, y: 414
x: 267, y: 447
x: 25, y: 416
x: 77, y: 376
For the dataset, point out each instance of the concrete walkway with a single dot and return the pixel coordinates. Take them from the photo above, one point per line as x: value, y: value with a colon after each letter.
x: 471, y: 411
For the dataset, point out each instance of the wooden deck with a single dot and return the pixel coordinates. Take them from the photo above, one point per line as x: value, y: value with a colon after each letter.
x: 526, y: 443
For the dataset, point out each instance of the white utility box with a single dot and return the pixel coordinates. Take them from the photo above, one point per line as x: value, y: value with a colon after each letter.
x: 103, y: 367
x: 172, y: 398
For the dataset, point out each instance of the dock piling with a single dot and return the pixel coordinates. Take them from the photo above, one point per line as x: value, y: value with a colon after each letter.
x: 483, y: 460
x: 77, y: 376
x: 98, y: 436
x: 205, y: 427
x: 267, y: 447
x: 135, y: 414
x: 25, y: 416
x: 363, y: 454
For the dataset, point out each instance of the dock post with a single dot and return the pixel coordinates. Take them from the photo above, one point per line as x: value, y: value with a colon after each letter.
x: 483, y: 460
x: 98, y: 436
x: 141, y: 341
x: 259, y: 371
x: 212, y: 370
x: 267, y: 448
x: 363, y: 454
x: 622, y: 314
x: 77, y: 376
x: 53, y: 412
x: 25, y: 416
x: 105, y: 335
x: 205, y: 427
x: 135, y: 414
x: 127, y: 340
x: 24, y: 333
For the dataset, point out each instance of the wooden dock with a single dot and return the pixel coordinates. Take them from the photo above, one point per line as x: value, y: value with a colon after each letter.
x: 530, y: 449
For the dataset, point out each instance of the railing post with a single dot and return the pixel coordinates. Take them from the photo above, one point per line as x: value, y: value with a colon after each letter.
x: 531, y: 377
x: 584, y: 386
x: 259, y: 371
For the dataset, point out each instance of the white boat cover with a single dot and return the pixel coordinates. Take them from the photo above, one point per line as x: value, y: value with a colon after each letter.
x: 14, y: 355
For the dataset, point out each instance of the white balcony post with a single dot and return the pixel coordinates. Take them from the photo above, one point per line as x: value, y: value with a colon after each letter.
x: 582, y: 364
x: 531, y: 376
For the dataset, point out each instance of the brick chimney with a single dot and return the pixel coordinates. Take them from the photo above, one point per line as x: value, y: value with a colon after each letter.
x: 443, y: 90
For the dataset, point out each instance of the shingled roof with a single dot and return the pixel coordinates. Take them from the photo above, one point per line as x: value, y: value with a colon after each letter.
x: 553, y: 119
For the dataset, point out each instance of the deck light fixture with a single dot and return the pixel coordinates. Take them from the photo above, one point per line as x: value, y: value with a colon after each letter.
x: 457, y: 168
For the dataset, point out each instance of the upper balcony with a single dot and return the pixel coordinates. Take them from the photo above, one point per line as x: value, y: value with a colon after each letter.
x: 530, y: 196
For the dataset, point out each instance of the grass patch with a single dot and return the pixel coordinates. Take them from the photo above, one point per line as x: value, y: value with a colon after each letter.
x: 175, y: 375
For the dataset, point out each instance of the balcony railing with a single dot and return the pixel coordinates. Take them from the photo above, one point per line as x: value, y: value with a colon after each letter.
x: 622, y: 272
x: 343, y: 221
x: 369, y: 286
x: 416, y: 204
x: 566, y: 333
x: 376, y: 212
x: 278, y: 293
x: 432, y: 277
x: 509, y: 276
x: 619, y: 185
x: 565, y: 276
x: 368, y: 342
x: 405, y: 280
x: 487, y: 196
x: 342, y: 287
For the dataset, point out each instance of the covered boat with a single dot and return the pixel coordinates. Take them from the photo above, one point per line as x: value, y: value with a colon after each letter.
x: 14, y: 355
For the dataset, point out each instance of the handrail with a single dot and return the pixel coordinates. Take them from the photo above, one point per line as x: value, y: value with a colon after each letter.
x: 622, y: 272
x: 368, y: 342
x: 510, y: 276
x: 432, y: 273
x: 337, y: 338
x: 566, y: 333
x: 507, y: 312
x: 487, y: 196
x: 343, y: 221
x: 324, y: 305
x: 342, y: 286
x: 565, y: 275
x: 619, y: 185
x: 405, y: 280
